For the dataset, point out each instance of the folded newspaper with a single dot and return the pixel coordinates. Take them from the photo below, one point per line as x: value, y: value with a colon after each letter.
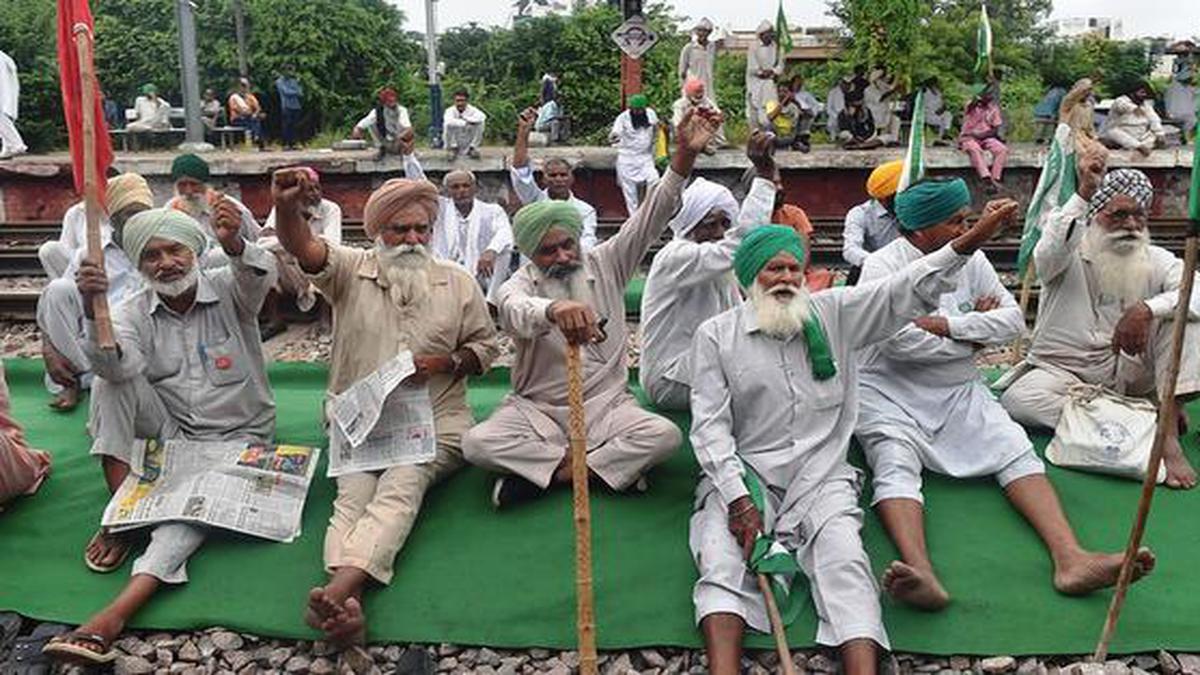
x: 378, y: 422
x: 252, y: 488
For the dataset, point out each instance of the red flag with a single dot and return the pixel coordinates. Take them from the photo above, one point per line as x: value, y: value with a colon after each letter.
x: 70, y: 14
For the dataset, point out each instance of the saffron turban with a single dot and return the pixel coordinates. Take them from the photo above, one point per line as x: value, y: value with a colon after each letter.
x: 931, y: 202
x: 534, y: 220
x: 395, y: 196
x: 885, y: 179
x: 638, y: 101
x: 1129, y: 182
x: 190, y: 166
x: 693, y: 87
x: 700, y: 198
x: 760, y: 246
x: 162, y: 223
x: 128, y: 189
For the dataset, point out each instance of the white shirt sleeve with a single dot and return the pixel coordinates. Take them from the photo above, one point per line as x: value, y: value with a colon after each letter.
x: 502, y: 235
x: 712, y: 418
x: 332, y: 215
x: 367, y: 122
x: 525, y: 185
x: 1060, y: 238
x: 853, y: 236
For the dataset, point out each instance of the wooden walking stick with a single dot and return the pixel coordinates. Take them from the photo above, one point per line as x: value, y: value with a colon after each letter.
x: 91, y: 189
x: 1018, y: 347
x: 585, y: 620
x: 781, y: 646
x: 1166, y: 416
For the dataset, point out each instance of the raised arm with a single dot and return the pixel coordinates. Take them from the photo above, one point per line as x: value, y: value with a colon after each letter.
x: 251, y: 272
x: 1066, y: 224
x: 287, y: 188
x: 521, y: 147
x: 412, y: 167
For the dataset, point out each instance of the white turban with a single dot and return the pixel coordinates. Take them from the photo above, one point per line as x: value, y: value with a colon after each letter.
x: 702, y: 197
x: 764, y: 27
x: 704, y: 24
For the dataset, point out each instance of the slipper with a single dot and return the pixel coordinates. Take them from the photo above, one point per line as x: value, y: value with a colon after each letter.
x: 26, y: 657
x: 61, y: 649
x: 105, y: 569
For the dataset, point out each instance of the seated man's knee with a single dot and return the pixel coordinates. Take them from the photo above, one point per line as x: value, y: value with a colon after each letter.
x: 664, y: 434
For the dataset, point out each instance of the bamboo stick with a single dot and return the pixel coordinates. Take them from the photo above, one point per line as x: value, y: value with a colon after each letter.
x: 786, y: 666
x: 91, y: 188
x: 585, y: 609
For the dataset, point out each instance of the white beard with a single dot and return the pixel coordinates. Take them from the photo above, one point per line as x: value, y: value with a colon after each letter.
x: 572, y: 287
x: 779, y: 315
x: 1121, y: 262
x: 174, y: 289
x: 195, y: 205
x: 406, y: 269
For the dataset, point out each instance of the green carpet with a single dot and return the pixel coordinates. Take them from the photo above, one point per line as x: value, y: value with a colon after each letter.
x: 469, y: 575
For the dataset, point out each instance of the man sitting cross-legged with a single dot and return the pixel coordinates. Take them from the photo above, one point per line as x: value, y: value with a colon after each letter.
x: 564, y: 296
x: 188, y: 365
x: 923, y: 405
x: 774, y: 400
x: 386, y: 299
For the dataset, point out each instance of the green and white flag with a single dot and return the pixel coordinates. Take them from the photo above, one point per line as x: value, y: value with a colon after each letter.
x: 914, y: 157
x: 1054, y: 187
x: 1194, y: 192
x: 782, y: 34
x: 983, y: 45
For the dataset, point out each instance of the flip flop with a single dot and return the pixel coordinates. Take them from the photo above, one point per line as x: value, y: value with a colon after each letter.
x: 105, y: 569
x: 61, y: 649
x: 26, y: 657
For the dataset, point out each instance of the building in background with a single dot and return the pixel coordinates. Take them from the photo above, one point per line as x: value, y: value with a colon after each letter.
x: 1079, y: 26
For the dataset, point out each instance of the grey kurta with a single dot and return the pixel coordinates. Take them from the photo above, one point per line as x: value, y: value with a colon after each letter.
x: 757, y: 407
x: 698, y: 61
x: 526, y: 434
x: 760, y: 90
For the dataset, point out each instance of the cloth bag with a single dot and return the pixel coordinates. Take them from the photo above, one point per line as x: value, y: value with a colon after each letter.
x: 1105, y: 432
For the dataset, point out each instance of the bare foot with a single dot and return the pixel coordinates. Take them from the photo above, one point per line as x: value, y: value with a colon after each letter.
x: 1180, y: 474
x: 1093, y: 571
x: 66, y: 400
x: 348, y: 627
x: 915, y: 587
x: 320, y: 609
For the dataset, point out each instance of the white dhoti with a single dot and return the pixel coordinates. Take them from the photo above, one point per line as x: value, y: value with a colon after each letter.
x: 530, y: 440
x: 55, y: 258
x: 827, y: 546
x: 634, y: 171
x: 61, y: 321
x: 1037, y: 397
x: 463, y: 136
x: 966, y: 436
x: 1124, y: 138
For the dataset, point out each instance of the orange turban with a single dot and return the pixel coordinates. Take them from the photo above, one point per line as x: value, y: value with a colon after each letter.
x: 885, y: 179
x: 395, y: 196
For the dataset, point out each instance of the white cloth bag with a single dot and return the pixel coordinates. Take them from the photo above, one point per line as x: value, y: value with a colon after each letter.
x: 1103, y: 431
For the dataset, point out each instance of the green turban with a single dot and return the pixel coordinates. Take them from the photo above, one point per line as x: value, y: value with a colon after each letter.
x: 760, y: 246
x: 189, y: 166
x: 163, y: 223
x: 534, y: 220
x: 638, y: 101
x: 931, y: 202
x: 148, y: 89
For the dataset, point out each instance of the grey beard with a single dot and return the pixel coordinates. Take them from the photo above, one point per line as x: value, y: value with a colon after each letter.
x: 174, y: 289
x: 406, y: 268
x: 561, y: 283
x: 1121, y: 265
x: 777, y: 318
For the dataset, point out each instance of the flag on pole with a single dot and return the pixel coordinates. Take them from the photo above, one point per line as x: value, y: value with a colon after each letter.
x: 983, y: 45
x: 72, y: 13
x: 1194, y: 193
x: 782, y: 33
x: 1054, y: 187
x: 914, y: 157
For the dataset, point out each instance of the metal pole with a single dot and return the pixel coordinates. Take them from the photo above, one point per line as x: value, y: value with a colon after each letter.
x: 239, y: 26
x: 194, y: 136
x: 435, y: 86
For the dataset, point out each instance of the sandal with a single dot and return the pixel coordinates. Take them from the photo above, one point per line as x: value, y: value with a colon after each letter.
x: 117, y: 540
x: 64, y: 648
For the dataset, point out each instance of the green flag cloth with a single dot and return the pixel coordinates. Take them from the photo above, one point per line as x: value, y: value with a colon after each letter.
x: 1194, y: 193
x: 983, y: 45
x: 774, y: 560
x: 782, y: 34
x: 1054, y: 187
x: 914, y: 157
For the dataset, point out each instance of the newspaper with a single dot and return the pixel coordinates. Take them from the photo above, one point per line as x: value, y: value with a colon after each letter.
x: 356, y: 410
x: 403, y: 434
x: 252, y: 488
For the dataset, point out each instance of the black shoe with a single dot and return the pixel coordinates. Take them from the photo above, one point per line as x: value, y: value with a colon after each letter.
x: 473, y: 153
x: 509, y: 491
x: 270, y: 330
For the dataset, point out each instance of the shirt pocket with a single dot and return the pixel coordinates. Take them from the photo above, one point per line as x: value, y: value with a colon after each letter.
x: 225, y: 362
x: 827, y: 394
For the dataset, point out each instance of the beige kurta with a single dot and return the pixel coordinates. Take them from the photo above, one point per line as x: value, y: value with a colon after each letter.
x: 526, y: 434
x: 373, y: 514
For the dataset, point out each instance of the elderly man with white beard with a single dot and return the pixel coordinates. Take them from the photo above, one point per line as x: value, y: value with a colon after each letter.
x: 386, y: 299
x: 690, y: 278
x: 195, y: 197
x: 1106, y: 304
x: 774, y: 401
x: 189, y: 365
x: 923, y: 405
x: 567, y: 296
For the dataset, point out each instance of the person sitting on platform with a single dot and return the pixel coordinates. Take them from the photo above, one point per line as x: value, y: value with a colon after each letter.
x: 22, y: 469
x: 689, y: 280
x: 633, y: 136
x: 872, y: 224
x: 211, y: 110
x: 60, y: 314
x: 468, y: 231
x: 791, y: 122
x: 698, y: 58
x: 923, y: 405
x: 1132, y: 122
x: 1046, y: 113
x: 1106, y: 304
x: 559, y: 179
x: 695, y: 96
x: 1180, y: 101
x: 565, y: 295
x: 389, y: 298
x: 983, y: 131
x: 151, y: 113
x: 856, y: 126
x: 937, y: 117
x: 324, y: 218
x: 188, y: 365
x: 195, y: 197
x: 774, y: 401
x: 388, y: 125
x: 878, y: 98
x: 245, y: 111
x: 462, y: 127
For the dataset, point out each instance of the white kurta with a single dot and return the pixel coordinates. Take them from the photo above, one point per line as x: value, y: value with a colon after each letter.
x: 152, y: 114
x: 868, y: 227
x: 690, y: 282
x: 835, y: 103
x: 526, y: 187
x: 635, y: 155
x: 922, y: 402
x: 1130, y: 125
x: 463, y: 128
x: 760, y: 90
x: 10, y: 87
x: 756, y: 406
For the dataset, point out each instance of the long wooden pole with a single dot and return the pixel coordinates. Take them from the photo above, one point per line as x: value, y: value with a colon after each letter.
x: 1018, y: 348
x: 1166, y: 419
x: 585, y: 609
x: 91, y: 188
x: 781, y: 646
